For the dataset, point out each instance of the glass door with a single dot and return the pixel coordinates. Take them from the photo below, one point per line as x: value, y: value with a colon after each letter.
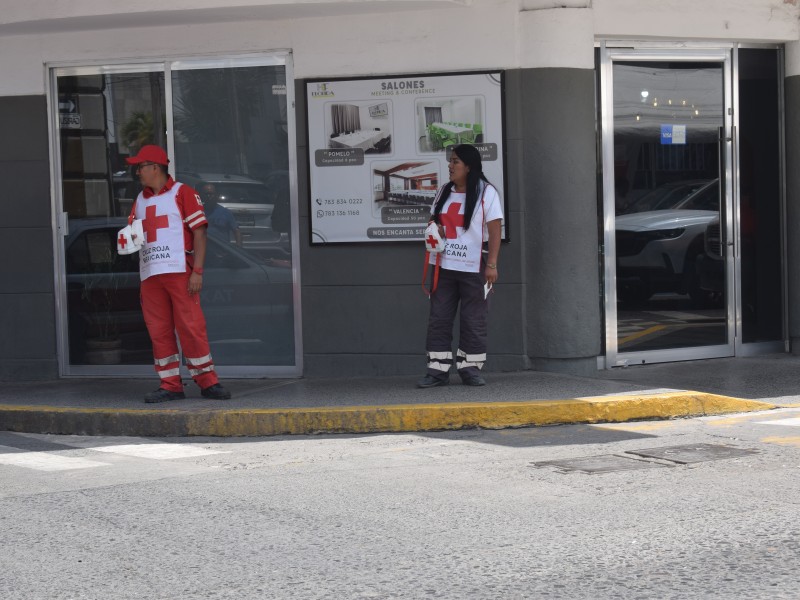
x: 104, y: 115
x: 228, y: 131
x: 668, y: 182
x: 231, y: 144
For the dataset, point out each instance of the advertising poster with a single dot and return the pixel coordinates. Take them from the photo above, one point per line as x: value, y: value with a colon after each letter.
x: 379, y: 149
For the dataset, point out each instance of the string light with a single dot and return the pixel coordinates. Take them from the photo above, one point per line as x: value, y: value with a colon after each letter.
x: 645, y: 94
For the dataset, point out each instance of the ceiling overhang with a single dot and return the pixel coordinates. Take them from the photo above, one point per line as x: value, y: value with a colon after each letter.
x: 87, y: 15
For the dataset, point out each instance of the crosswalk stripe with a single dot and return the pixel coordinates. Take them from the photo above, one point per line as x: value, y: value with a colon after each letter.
x: 795, y: 422
x: 45, y: 461
x: 158, y: 451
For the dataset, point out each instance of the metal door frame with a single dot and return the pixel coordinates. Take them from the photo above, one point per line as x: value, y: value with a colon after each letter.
x: 729, y: 207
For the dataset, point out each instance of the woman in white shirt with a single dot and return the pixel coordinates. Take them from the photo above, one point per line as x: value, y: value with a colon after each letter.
x: 468, y: 212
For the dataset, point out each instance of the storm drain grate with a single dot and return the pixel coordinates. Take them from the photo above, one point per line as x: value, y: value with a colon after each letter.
x: 693, y: 453
x: 672, y: 455
x: 605, y: 463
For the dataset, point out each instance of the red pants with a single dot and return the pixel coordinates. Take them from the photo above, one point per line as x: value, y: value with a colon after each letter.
x: 167, y: 308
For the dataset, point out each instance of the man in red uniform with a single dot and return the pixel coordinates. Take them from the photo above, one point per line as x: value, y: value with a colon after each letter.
x: 171, y: 267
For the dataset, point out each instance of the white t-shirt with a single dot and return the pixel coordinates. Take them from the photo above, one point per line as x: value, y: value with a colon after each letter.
x: 462, y: 251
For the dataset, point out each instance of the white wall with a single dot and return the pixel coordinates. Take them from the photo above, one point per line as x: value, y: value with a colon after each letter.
x: 436, y: 40
x: 455, y: 35
x: 54, y: 16
x: 557, y: 37
x: 729, y: 20
x: 792, y: 56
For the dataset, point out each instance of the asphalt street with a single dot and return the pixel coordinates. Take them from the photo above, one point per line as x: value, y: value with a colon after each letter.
x: 690, y: 508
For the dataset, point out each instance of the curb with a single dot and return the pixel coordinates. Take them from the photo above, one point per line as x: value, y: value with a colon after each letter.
x: 366, y: 419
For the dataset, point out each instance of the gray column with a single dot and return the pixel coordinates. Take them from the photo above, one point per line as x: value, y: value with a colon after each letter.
x: 559, y: 182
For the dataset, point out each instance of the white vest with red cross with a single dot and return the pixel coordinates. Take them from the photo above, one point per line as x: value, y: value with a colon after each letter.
x: 462, y: 251
x: 164, y: 249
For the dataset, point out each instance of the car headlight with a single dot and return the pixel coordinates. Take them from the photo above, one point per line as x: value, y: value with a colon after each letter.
x: 631, y: 243
x: 664, y: 234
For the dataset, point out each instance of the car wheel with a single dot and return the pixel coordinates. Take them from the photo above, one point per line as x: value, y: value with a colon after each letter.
x: 700, y: 298
x: 634, y: 294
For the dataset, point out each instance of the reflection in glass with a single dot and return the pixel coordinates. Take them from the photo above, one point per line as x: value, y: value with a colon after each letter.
x: 231, y: 145
x: 667, y: 119
x: 230, y: 132
x: 103, y: 119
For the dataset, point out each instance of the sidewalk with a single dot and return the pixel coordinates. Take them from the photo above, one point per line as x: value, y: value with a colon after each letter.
x: 393, y: 404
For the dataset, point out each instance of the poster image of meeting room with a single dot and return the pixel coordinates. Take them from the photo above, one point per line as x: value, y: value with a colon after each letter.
x: 365, y: 125
x: 445, y: 122
x: 404, y: 191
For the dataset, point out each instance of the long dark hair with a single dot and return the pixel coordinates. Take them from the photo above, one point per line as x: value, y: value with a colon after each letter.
x: 470, y: 156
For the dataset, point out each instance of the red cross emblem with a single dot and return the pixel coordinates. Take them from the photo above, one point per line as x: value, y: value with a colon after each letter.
x: 122, y: 241
x: 450, y: 220
x: 153, y: 223
x: 432, y: 241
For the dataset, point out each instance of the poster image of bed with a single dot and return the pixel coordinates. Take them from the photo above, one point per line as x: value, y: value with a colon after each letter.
x: 374, y: 164
x: 365, y: 125
x: 444, y: 122
x: 404, y: 191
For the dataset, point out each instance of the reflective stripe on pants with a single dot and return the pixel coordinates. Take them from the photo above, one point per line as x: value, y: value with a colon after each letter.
x: 168, y: 308
x: 465, y: 289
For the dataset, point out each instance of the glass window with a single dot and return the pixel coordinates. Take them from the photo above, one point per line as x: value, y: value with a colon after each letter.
x: 103, y: 118
x: 231, y: 145
x: 667, y: 118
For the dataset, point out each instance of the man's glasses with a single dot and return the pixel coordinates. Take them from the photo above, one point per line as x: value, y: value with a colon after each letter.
x: 140, y: 166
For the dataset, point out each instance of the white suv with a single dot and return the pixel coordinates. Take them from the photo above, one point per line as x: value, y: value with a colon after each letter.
x: 657, y: 249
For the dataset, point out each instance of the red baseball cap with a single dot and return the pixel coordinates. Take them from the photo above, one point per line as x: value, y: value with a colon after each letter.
x: 149, y: 153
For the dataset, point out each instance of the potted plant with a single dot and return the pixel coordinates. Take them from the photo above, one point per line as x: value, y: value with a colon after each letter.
x: 103, y: 343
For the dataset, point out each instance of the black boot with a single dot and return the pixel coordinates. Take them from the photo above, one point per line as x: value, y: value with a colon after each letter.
x: 162, y: 395
x: 215, y: 392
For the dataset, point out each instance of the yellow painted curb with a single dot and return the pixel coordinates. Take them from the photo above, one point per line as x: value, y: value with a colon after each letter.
x: 367, y: 419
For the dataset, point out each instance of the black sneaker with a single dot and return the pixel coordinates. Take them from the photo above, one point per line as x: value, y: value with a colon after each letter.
x: 215, y: 392
x: 474, y: 380
x: 162, y: 395
x: 430, y: 381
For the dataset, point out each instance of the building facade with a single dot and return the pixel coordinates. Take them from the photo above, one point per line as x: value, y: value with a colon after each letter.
x: 645, y: 154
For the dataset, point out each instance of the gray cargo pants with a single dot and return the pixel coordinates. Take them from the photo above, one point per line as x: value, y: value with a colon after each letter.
x: 456, y: 287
